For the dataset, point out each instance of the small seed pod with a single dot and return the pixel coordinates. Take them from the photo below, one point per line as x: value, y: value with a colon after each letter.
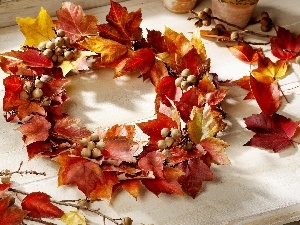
x: 59, y: 41
x: 165, y: 132
x: 169, y: 141
x: 178, y: 81
x: 266, y: 21
x: 202, y: 15
x: 66, y: 41
x: 48, y: 53
x: 208, y: 10
x: 50, y: 45
x: 96, y: 152
x: 95, y: 137
x: 161, y: 144
x: 83, y: 142
x: 60, y: 59
x: 37, y: 93
x: 264, y: 14
x: 91, y: 145
x: 38, y: 83
x: 60, y: 33
x: 206, y: 22
x: 42, y: 45
x: 24, y: 95
x: 100, y: 145
x: 28, y: 86
x: 191, y: 79
x: 5, y: 179
x: 54, y: 58
x: 186, y: 72
x: 127, y: 221
x: 184, y: 85
x: 59, y: 51
x: 85, y: 152
x: 199, y: 23
x: 266, y: 28
x: 68, y: 55
x: 175, y: 133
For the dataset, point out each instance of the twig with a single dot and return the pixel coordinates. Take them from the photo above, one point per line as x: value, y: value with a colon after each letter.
x: 39, y: 220
x: 9, y: 173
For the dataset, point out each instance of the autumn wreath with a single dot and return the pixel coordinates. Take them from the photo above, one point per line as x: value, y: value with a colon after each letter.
x: 183, y: 138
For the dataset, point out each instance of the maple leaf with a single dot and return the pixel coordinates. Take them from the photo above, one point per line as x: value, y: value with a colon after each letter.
x: 28, y: 108
x: 120, y: 149
x: 153, y: 161
x: 37, y: 30
x: 273, y: 132
x: 178, y: 155
x: 104, y: 190
x: 125, y: 131
x: 167, y: 184
x: 110, y: 50
x: 141, y: 61
x: 156, y: 72
x: 73, y: 218
x: 244, y: 52
x: 215, y: 149
x: 156, y: 41
x: 267, y: 70
x: 267, y: 95
x: 69, y: 128
x: 38, y: 147
x: 285, y: 45
x: 35, y: 129
x: 244, y: 83
x: 31, y: 57
x: 13, y: 88
x: 153, y: 127
x: 10, y: 214
x: 74, y: 22
x: 132, y: 186
x: 39, y: 206
x: 196, y: 172
x: 205, y: 122
x: 122, y: 26
x: 79, y: 171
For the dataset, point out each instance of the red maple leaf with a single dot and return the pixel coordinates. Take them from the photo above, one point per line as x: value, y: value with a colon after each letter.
x: 267, y: 95
x: 244, y: 52
x: 39, y: 206
x: 13, y: 87
x: 37, y: 148
x: 10, y: 214
x: 141, y: 61
x: 196, y: 172
x: 153, y: 127
x: 35, y: 129
x: 31, y: 57
x: 156, y: 41
x: 153, y: 161
x: 156, y: 72
x: 69, y: 129
x: 120, y: 149
x: 79, y: 171
x: 122, y: 26
x: 285, y: 45
x: 273, y: 132
x: 167, y: 184
x: 74, y: 22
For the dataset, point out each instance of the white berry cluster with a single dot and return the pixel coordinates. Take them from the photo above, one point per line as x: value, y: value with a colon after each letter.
x: 58, y: 48
x: 185, y: 80
x: 170, y: 136
x: 92, y: 146
x: 33, y: 91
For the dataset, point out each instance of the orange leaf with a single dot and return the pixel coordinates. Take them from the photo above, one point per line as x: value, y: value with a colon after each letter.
x: 244, y: 52
x: 29, y: 108
x: 39, y: 206
x: 10, y: 214
x: 132, y: 186
x: 74, y: 22
x: 36, y: 129
x: 79, y: 171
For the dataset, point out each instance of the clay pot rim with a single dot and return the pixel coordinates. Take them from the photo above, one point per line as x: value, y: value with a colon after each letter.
x: 239, y: 2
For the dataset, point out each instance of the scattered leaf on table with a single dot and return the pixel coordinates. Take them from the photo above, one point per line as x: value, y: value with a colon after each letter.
x: 244, y: 52
x: 39, y: 206
x: 73, y: 218
x: 10, y: 214
x: 273, y: 132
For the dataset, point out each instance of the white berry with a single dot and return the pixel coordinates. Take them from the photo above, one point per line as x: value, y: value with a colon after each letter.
x: 37, y: 93
x: 85, y: 152
x: 175, y: 133
x: 161, y: 144
x: 186, y: 72
x: 165, y: 132
x: 96, y: 152
x: 169, y: 141
x: 100, y: 145
x: 83, y: 142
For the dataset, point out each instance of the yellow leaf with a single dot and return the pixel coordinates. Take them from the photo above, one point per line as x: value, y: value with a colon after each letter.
x: 36, y: 30
x: 79, y: 63
x: 73, y: 218
x: 110, y: 50
x: 274, y: 71
x: 198, y: 44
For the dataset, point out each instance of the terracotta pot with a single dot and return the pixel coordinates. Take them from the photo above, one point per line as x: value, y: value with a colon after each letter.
x: 237, y: 12
x: 179, y: 6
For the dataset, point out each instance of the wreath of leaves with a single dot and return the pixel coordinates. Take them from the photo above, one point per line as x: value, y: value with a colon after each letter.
x: 35, y: 95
